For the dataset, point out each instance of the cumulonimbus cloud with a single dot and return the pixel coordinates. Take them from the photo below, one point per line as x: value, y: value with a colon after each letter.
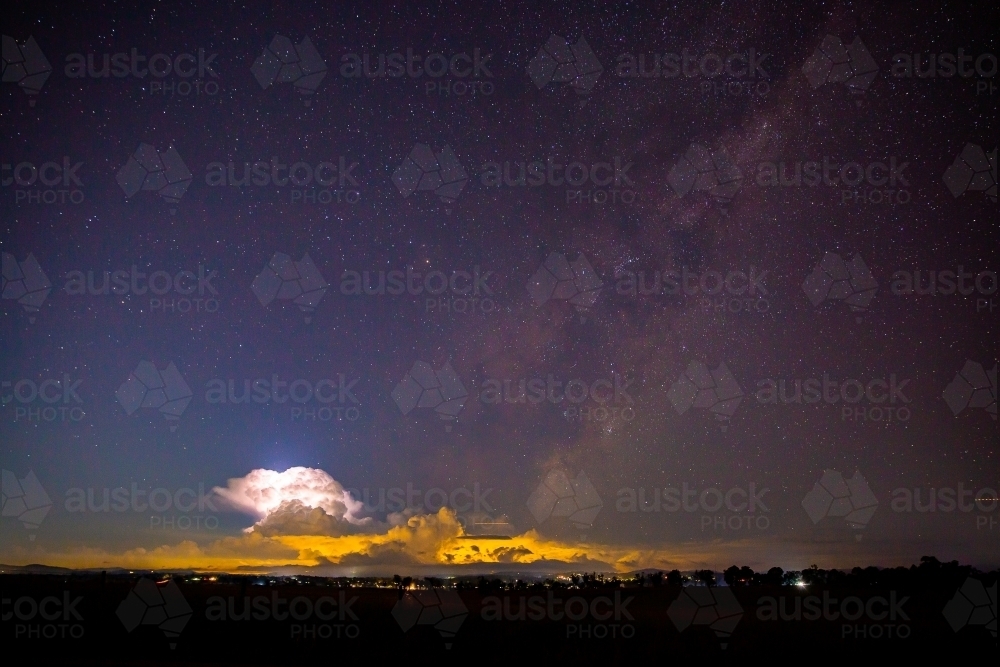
x: 297, y: 501
x: 307, y: 522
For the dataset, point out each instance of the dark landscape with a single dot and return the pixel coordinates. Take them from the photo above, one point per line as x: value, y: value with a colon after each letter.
x: 523, y: 332
x: 874, y: 613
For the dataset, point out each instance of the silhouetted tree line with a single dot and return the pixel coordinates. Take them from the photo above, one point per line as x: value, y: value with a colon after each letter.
x: 744, y: 576
x: 930, y: 572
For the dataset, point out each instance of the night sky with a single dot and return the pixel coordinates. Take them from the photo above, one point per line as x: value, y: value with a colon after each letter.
x: 746, y: 283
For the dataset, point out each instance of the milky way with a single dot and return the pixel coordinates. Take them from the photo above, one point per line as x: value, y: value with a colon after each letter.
x: 628, y: 285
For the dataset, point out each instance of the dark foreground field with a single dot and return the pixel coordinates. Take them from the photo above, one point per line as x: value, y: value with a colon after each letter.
x: 97, y: 619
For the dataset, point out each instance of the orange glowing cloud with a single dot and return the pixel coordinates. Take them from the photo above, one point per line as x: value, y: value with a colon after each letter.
x: 306, y: 519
